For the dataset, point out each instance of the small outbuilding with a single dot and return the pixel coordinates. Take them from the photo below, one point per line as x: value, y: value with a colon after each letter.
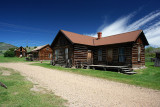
x: 20, y: 52
x: 42, y: 53
x: 157, y: 60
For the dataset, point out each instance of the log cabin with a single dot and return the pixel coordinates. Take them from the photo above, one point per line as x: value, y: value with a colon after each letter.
x: 42, y: 53
x: 117, y: 50
x: 20, y: 52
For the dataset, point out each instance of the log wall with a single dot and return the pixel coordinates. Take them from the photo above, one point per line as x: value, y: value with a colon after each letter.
x: 80, y: 54
x: 115, y: 54
x: 43, y: 54
x: 61, y: 43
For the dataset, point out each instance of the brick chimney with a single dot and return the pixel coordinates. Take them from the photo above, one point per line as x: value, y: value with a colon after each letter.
x: 99, y: 35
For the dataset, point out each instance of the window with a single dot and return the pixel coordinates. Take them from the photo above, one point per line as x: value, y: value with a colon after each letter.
x: 56, y: 54
x: 66, y: 53
x: 121, y: 55
x: 47, y: 48
x: 99, y: 55
x: 139, y: 53
x: 49, y: 56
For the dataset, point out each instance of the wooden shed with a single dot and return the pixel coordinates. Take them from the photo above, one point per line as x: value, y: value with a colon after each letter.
x: 42, y: 52
x: 157, y: 60
x: 127, y: 49
x: 20, y: 52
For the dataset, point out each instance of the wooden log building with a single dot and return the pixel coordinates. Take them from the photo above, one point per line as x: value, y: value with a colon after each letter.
x: 20, y: 52
x: 127, y: 49
x: 42, y: 53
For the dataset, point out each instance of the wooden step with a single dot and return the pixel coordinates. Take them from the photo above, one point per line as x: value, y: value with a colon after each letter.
x: 130, y: 73
x: 126, y: 70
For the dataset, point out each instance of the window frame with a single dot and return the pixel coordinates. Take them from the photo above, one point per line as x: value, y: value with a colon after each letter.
x: 99, y: 55
x: 121, y: 55
x: 66, y: 53
x: 139, y: 53
x: 49, y: 55
x: 56, y: 54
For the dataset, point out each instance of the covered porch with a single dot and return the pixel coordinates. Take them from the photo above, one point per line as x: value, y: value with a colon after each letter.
x: 120, y: 69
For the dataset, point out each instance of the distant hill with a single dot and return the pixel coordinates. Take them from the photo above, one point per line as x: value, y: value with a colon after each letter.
x: 29, y: 49
x: 5, y: 46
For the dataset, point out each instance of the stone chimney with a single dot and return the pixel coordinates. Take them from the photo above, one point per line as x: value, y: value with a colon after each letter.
x: 99, y: 35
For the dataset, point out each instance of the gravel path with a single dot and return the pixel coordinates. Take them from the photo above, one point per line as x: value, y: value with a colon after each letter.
x: 84, y: 91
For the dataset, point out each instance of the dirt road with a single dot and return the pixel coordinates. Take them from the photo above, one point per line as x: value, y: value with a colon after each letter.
x: 84, y: 91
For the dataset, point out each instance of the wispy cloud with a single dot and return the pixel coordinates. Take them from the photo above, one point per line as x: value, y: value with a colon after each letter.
x: 27, y: 43
x: 150, y: 24
x: 20, y: 28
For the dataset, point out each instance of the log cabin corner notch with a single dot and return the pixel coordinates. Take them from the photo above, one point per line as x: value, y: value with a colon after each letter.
x: 122, y: 49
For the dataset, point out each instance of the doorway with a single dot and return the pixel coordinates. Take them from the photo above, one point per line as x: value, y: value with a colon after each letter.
x: 109, y: 55
x: 89, y: 57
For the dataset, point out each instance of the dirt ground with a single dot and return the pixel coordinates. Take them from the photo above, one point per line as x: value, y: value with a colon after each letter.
x: 85, y: 91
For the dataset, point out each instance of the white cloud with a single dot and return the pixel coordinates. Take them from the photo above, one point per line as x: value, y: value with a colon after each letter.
x: 150, y: 24
x: 143, y: 21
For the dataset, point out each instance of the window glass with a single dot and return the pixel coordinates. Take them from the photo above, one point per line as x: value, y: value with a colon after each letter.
x: 66, y: 53
x: 56, y: 54
x: 139, y: 53
x: 121, y: 55
x: 99, y: 55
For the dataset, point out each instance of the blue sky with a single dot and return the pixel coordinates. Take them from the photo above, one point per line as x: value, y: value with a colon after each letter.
x: 36, y: 22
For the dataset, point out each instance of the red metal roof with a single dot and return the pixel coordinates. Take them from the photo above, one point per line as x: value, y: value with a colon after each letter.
x: 78, y: 38
x: 93, y: 41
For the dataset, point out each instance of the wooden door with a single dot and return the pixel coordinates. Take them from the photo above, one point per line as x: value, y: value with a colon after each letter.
x: 109, y: 55
x: 89, y: 57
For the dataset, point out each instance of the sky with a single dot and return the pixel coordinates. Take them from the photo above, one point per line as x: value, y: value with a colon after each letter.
x: 36, y: 22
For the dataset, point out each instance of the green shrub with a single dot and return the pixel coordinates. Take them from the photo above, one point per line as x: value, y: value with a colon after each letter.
x: 12, y: 49
x: 9, y: 54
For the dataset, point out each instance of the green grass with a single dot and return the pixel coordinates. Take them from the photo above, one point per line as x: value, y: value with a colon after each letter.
x: 15, y: 59
x: 11, y: 59
x: 149, y: 77
x: 18, y: 93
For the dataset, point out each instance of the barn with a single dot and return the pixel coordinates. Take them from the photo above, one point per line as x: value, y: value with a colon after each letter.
x: 42, y: 53
x: 126, y: 49
x: 20, y: 52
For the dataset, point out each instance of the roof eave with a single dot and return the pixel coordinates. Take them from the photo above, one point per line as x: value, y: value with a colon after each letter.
x: 144, y: 36
x: 66, y: 37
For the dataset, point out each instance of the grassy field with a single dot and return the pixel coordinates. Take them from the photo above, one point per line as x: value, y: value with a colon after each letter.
x: 19, y: 94
x: 11, y: 59
x: 149, y: 77
x: 15, y: 59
